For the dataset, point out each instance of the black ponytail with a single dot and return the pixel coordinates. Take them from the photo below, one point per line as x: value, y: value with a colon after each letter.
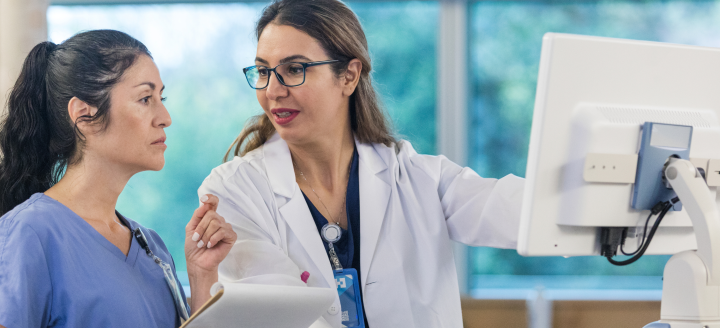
x: 37, y: 138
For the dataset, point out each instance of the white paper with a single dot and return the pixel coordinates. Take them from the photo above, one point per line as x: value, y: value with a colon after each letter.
x: 252, y: 305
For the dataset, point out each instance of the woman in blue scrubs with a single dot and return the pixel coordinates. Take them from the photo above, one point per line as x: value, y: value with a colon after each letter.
x: 83, y: 118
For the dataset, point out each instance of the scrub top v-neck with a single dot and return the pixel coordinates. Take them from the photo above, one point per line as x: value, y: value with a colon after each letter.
x: 56, y: 270
x: 348, y: 247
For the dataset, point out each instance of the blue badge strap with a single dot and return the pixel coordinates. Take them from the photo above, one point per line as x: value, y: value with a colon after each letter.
x: 172, y: 283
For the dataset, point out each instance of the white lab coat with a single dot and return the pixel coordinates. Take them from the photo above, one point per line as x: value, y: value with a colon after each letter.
x: 411, y: 207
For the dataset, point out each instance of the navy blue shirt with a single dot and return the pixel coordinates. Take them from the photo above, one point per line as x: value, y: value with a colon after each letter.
x: 348, y: 247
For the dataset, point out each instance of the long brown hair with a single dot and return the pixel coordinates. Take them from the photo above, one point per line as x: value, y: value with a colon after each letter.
x: 340, y: 34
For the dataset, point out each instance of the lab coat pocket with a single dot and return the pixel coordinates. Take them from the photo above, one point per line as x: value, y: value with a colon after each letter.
x: 388, y: 311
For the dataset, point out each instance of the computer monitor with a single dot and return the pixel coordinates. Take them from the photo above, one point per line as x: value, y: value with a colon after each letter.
x: 593, y: 96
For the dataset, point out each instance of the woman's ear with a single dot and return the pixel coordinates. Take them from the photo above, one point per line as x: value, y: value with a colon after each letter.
x: 78, y: 109
x: 351, y: 77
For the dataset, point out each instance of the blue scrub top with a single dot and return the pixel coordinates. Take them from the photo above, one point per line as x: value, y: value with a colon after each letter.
x: 56, y: 270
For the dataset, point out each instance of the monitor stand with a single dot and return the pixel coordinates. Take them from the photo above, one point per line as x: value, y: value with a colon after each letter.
x: 691, y: 280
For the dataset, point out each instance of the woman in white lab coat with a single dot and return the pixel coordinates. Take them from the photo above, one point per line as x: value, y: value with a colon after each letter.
x: 322, y: 154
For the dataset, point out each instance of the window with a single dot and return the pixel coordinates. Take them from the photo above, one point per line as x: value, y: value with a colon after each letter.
x: 505, y: 42
x: 201, y: 49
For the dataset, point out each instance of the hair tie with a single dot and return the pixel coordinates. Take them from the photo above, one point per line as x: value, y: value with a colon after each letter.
x: 50, y: 46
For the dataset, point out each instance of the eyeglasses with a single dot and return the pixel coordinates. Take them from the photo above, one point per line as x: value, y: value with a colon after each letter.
x: 289, y: 74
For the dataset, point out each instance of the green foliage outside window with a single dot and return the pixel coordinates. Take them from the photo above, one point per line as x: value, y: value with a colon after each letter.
x: 201, y: 49
x: 505, y: 42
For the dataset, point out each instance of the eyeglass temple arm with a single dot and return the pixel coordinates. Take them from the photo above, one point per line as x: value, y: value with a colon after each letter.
x: 320, y: 62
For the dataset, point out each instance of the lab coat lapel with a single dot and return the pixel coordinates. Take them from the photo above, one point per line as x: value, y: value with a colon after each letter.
x: 298, y: 217
x: 375, y: 179
x: 295, y: 211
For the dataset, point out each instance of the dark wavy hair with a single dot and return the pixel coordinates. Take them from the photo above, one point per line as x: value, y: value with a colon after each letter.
x: 38, y: 140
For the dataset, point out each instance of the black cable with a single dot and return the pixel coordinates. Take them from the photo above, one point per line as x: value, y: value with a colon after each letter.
x: 642, y: 242
x: 666, y: 208
x: 655, y: 210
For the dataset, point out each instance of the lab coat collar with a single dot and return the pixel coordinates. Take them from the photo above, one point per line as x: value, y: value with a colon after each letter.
x: 279, y: 166
x: 295, y: 210
x: 375, y: 188
x: 282, y: 175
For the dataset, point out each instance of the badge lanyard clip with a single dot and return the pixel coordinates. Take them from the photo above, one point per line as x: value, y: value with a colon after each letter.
x: 334, y: 260
x: 331, y: 233
x: 169, y: 277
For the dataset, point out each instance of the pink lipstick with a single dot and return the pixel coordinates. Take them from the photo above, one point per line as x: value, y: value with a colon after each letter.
x: 284, y: 116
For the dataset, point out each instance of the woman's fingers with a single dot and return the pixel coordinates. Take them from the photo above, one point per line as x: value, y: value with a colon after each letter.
x: 223, y: 234
x: 196, y: 218
x: 200, y: 229
x: 211, y: 229
x: 209, y: 202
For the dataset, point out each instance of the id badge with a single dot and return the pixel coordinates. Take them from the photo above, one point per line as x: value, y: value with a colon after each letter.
x: 350, y: 301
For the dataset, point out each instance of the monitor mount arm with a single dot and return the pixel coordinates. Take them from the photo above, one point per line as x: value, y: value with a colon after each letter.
x: 691, y: 280
x: 702, y: 209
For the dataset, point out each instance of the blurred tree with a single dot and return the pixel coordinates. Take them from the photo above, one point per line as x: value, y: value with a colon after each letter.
x: 402, y: 37
x: 201, y: 49
x: 505, y: 42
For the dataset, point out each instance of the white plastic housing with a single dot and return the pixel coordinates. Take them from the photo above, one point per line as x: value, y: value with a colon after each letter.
x: 616, y: 131
x: 610, y: 168
x: 594, y: 92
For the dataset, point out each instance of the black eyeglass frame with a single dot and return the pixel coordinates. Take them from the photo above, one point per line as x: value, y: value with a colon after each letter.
x: 280, y: 78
